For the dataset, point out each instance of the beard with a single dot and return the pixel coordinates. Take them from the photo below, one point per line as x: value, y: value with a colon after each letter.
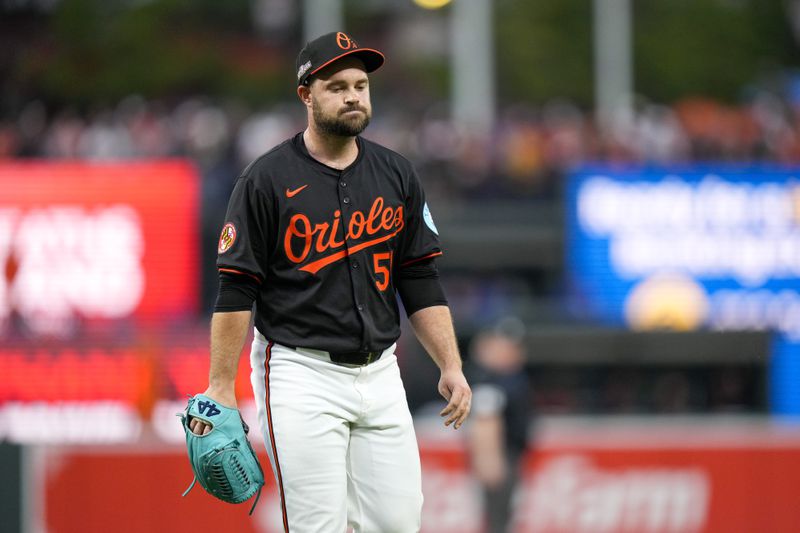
x: 339, y: 125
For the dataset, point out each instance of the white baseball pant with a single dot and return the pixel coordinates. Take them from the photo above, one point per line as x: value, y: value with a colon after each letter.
x: 340, y: 440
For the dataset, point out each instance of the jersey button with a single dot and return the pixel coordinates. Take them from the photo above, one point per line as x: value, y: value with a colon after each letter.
x: 343, y: 183
x: 360, y: 307
x: 355, y: 265
x: 346, y: 199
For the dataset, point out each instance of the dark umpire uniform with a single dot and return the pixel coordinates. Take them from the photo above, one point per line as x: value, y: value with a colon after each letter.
x: 502, y: 393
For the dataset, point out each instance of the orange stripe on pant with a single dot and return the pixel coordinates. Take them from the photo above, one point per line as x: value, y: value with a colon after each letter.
x: 272, y: 436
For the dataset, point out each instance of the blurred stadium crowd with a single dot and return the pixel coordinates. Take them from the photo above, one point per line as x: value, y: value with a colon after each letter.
x: 531, y: 149
x: 525, y: 156
x: 665, y: 410
x: 530, y: 152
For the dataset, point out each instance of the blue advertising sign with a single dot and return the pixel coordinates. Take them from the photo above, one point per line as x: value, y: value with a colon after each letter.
x: 686, y: 248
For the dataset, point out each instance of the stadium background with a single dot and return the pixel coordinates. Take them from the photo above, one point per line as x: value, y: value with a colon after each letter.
x: 624, y: 177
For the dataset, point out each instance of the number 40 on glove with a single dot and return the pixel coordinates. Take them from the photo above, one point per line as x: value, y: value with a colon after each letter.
x: 223, y: 460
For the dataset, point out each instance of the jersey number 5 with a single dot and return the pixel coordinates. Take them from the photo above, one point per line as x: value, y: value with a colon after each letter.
x: 381, y: 270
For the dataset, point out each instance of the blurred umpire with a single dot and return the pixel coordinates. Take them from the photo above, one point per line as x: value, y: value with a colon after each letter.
x: 498, y: 435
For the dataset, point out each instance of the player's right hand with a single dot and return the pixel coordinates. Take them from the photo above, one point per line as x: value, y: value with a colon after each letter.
x: 223, y: 397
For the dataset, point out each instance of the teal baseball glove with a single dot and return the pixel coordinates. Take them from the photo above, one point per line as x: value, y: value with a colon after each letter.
x: 223, y: 460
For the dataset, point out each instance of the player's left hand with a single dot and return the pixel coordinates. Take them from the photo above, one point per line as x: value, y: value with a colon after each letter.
x: 454, y: 388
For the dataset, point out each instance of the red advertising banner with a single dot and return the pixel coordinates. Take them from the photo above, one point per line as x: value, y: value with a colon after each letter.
x: 672, y: 479
x: 136, y: 374
x: 714, y: 490
x: 97, y: 241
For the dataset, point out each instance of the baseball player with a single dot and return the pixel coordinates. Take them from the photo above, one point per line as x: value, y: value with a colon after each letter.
x: 321, y: 232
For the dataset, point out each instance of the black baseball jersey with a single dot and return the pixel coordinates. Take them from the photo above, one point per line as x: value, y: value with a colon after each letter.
x: 326, y: 244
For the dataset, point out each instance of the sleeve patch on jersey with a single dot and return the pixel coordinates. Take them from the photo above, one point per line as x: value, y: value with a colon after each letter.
x: 226, y: 238
x: 428, y: 218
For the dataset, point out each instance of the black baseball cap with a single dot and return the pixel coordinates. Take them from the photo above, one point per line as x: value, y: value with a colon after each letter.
x: 331, y: 47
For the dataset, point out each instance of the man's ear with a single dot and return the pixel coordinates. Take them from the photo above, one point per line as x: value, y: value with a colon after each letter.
x: 304, y: 93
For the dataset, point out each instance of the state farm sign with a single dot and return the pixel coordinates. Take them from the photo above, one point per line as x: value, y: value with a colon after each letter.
x: 571, y: 493
x: 96, y: 241
x: 734, y: 476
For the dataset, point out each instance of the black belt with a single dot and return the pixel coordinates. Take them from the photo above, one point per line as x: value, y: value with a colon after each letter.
x: 355, y: 358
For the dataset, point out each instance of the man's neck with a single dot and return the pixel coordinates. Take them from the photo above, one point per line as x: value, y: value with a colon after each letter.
x: 334, y: 151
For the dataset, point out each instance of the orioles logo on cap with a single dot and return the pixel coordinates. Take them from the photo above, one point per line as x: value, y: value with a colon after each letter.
x: 345, y: 42
x: 226, y: 238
